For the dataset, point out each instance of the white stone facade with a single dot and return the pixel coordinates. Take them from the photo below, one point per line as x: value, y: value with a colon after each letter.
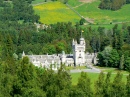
x: 79, y: 52
x: 78, y: 58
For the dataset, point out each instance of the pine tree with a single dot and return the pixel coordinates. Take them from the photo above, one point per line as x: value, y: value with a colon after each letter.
x: 118, y: 86
x: 128, y: 86
x: 99, y: 85
x: 84, y: 85
x: 121, y: 66
x: 107, y: 85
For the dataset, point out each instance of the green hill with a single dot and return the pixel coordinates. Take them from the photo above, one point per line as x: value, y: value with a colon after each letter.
x: 53, y: 12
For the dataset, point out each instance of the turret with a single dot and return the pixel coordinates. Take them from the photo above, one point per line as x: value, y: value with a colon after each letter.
x: 23, y: 54
x: 82, y: 41
x: 63, y: 57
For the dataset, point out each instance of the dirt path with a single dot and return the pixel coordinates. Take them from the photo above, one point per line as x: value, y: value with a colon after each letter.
x: 79, y: 5
x: 40, y: 3
x: 84, y: 2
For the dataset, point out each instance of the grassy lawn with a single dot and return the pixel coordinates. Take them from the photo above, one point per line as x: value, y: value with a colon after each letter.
x: 108, y: 26
x: 74, y: 3
x: 39, y: 1
x: 78, y: 67
x: 91, y: 10
x: 113, y: 70
x: 93, y: 77
x: 54, y: 12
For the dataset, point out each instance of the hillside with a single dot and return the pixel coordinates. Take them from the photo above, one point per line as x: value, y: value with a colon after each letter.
x: 52, y: 14
x: 86, y: 8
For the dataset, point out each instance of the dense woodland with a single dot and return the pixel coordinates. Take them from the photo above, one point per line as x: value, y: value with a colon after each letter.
x: 113, y: 4
x: 20, y: 78
x: 23, y: 79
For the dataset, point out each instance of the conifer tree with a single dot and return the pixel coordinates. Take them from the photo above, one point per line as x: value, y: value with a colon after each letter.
x: 84, y: 85
x: 121, y: 66
x: 99, y: 85
x: 128, y: 86
x: 107, y: 85
x: 118, y: 86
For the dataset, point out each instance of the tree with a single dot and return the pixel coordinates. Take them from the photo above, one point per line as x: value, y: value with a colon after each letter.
x: 121, y: 40
x: 25, y: 83
x: 84, y: 85
x: 128, y: 86
x: 107, y: 85
x: 115, y: 41
x: 104, y: 56
x: 127, y: 63
x: 114, y: 58
x: 118, y: 85
x: 9, y: 49
x: 111, y: 4
x: 82, y: 21
x: 99, y: 85
x: 50, y: 49
x: 24, y: 11
x: 121, y: 66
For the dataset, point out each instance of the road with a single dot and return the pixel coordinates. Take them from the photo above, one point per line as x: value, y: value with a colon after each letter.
x: 93, y: 70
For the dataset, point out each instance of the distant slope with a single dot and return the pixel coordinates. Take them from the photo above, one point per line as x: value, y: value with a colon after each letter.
x: 99, y: 16
x: 39, y: 1
x: 53, y: 12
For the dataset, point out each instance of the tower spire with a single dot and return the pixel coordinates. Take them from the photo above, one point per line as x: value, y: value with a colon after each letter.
x: 81, y: 33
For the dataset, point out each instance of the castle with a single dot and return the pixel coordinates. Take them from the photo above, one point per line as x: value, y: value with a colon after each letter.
x: 78, y: 58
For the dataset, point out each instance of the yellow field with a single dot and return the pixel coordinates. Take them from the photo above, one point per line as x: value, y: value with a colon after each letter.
x: 54, y: 12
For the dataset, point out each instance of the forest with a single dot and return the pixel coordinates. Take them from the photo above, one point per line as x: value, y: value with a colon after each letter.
x: 113, y: 4
x: 20, y: 78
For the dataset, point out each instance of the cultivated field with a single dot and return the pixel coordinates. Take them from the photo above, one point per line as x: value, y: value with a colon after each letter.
x: 53, y: 12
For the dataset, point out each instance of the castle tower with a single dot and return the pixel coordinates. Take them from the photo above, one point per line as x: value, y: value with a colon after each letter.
x: 23, y: 54
x: 63, y: 57
x: 79, y: 52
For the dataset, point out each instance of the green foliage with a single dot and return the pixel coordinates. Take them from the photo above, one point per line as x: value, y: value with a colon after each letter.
x: 128, y: 86
x: 111, y: 4
x: 84, y: 85
x: 102, y: 17
x: 118, y: 85
x: 82, y: 21
x: 127, y: 63
x: 99, y: 85
x: 107, y: 85
x: 23, y: 11
x: 30, y: 81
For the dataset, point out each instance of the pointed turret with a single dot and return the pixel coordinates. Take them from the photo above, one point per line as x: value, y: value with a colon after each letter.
x: 23, y: 54
x: 63, y: 57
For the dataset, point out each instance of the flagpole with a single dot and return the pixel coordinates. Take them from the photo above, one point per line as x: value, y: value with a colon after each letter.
x: 81, y: 33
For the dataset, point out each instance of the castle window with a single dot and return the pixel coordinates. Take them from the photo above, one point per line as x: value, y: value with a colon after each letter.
x: 80, y: 56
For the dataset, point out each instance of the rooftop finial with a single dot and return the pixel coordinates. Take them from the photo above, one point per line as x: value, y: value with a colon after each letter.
x: 23, y: 54
x: 81, y: 33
